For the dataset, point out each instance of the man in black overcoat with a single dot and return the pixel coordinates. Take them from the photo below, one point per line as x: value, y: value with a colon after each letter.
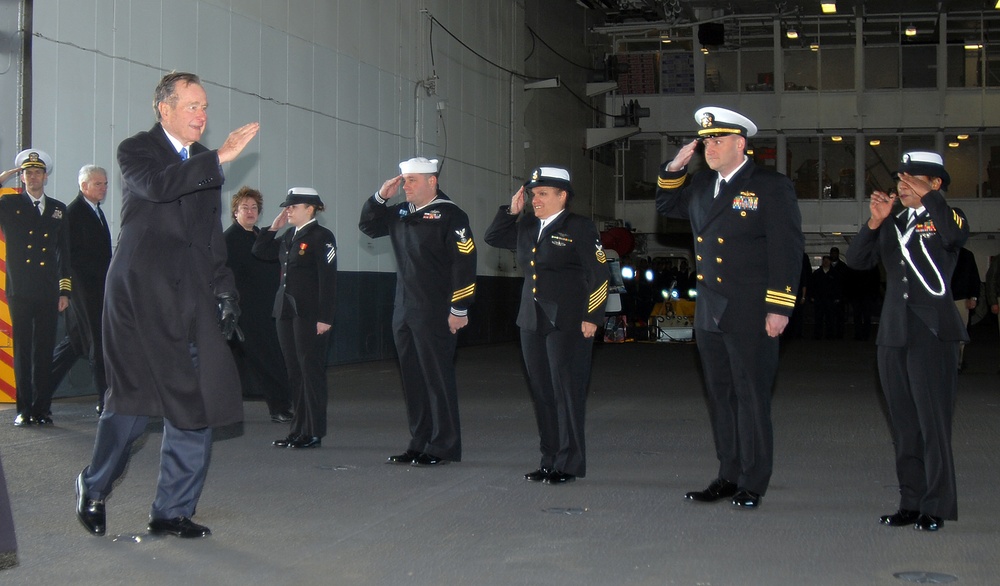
x: 90, y: 255
x: 748, y: 251
x: 168, y: 291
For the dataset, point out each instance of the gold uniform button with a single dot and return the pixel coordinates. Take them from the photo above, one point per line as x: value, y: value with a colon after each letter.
x: 27, y: 260
x: 31, y: 232
x: 46, y: 235
x: 533, y: 249
x: 721, y: 240
x: 743, y: 214
x: 700, y: 239
x: 701, y: 277
x: 533, y: 290
x: 532, y: 263
x: 41, y: 264
x: 534, y: 277
x: 718, y: 279
x: 697, y: 257
x: 718, y: 260
x: 29, y: 247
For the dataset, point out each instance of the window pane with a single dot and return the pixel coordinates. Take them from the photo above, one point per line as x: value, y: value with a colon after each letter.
x: 962, y: 163
x: 804, y: 165
x: 991, y: 154
x: 721, y: 71
x: 757, y: 70
x: 920, y: 66
x: 677, y: 72
x: 880, y: 164
x: 838, y: 159
x: 837, y: 67
x: 963, y: 67
x: 881, y: 68
x: 800, y: 69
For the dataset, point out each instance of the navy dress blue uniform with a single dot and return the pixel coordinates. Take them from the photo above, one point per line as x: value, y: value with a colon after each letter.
x: 918, y: 339
x: 748, y: 252
x: 565, y: 284
x: 306, y: 296
x: 436, y: 259
x: 90, y: 247
x: 38, y: 273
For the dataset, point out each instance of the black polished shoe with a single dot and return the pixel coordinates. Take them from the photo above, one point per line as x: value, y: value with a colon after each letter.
x: 179, y: 526
x: 557, y: 477
x: 718, y: 490
x: 43, y: 419
x: 900, y: 518
x: 89, y: 511
x: 538, y: 475
x: 428, y: 460
x: 406, y: 457
x: 746, y: 499
x: 99, y: 408
x: 23, y: 420
x: 928, y: 523
x: 285, y: 441
x: 282, y: 417
x: 306, y: 441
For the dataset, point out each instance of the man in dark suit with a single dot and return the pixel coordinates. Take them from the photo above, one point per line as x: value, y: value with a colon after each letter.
x: 562, y: 302
x: 90, y: 255
x: 919, y: 333
x: 748, y: 248
x: 168, y: 292
x: 38, y: 283
x: 435, y: 287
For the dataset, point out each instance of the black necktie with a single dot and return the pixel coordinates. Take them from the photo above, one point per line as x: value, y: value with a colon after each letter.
x: 100, y: 214
x: 722, y: 185
x: 38, y: 207
x: 912, y: 221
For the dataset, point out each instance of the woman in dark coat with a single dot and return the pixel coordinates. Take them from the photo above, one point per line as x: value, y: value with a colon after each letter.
x: 304, y: 308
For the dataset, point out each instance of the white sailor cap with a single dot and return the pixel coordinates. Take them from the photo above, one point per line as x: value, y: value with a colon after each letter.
x: 419, y: 165
x: 29, y: 158
x: 716, y: 121
x: 927, y: 163
x: 306, y: 195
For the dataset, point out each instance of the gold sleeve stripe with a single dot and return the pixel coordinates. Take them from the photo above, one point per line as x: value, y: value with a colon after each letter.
x: 958, y: 218
x: 467, y: 246
x: 463, y: 293
x: 598, y: 297
x: 779, y: 298
x: 65, y: 285
x: 670, y: 183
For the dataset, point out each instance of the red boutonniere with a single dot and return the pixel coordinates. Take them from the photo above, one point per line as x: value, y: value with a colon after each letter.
x: 302, y: 248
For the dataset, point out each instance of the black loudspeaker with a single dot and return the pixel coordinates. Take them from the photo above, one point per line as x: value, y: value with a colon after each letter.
x: 711, y: 33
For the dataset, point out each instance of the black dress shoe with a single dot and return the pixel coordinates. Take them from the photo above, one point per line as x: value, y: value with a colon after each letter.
x: 99, y: 409
x: 179, y: 526
x: 89, y: 511
x: 282, y: 417
x: 719, y: 489
x: 928, y: 523
x: 43, y: 419
x: 557, y: 477
x: 22, y: 420
x: 900, y: 518
x: 428, y: 460
x: 746, y: 499
x: 305, y: 441
x: 283, y: 442
x: 538, y: 475
x: 406, y: 457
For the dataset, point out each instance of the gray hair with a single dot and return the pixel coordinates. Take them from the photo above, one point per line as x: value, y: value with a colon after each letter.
x: 166, y: 90
x: 87, y: 171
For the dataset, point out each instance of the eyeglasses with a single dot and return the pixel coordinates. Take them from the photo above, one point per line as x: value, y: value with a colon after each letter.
x: 246, y: 208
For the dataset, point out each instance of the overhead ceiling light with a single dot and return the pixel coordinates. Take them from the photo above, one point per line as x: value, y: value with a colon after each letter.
x: 836, y: 138
x: 794, y: 34
x: 874, y: 142
x: 831, y: 7
x: 664, y: 38
x: 911, y: 31
x: 973, y: 46
x: 814, y: 47
x: 997, y: 5
x: 962, y: 136
x: 953, y: 145
x: 750, y: 152
x: 704, y: 50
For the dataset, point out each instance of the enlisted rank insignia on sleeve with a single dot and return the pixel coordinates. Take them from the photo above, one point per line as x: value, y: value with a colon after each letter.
x: 57, y: 214
x: 601, y: 257
x: 597, y: 297
x: 331, y: 252
x: 958, y: 219
x: 465, y: 243
x: 746, y: 200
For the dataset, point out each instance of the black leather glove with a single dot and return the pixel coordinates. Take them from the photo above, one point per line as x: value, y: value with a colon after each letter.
x: 229, y: 315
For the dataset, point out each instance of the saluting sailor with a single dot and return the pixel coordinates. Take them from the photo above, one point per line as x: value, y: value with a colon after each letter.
x: 562, y: 302
x: 919, y: 332
x: 748, y: 247
x: 38, y: 282
x: 436, y: 284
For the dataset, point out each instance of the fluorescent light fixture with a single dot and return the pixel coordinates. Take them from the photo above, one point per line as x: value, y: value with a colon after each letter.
x: 836, y: 138
x: 704, y: 50
x: 973, y: 47
x: 831, y: 7
x: 962, y: 137
x: 874, y: 142
x: 997, y: 5
x: 953, y: 145
x: 664, y: 39
x: 911, y: 31
x: 794, y: 34
x: 814, y: 47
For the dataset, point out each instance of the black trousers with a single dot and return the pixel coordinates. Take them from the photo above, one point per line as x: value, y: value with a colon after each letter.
x: 34, y: 319
x: 427, y: 365
x: 739, y: 370
x: 558, y: 365
x: 919, y: 382
x: 305, y: 361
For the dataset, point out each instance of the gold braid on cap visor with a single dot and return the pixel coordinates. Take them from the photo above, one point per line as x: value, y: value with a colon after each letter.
x: 709, y: 132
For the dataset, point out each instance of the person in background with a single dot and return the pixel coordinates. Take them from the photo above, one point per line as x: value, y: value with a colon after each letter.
x: 562, y: 303
x: 965, y: 286
x: 258, y: 356
x: 304, y: 307
x: 90, y: 255
x: 919, y: 332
